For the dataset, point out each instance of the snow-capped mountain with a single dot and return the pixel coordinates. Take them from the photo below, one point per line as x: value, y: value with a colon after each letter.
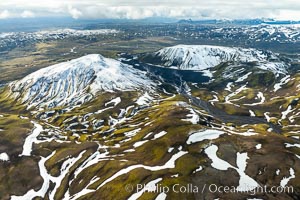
x: 265, y: 33
x: 200, y: 57
x: 17, y: 38
x: 77, y: 81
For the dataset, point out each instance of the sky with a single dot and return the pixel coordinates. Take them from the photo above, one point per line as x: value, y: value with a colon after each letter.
x: 139, y: 9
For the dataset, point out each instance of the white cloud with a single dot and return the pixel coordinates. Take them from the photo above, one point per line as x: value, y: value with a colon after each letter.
x: 74, y: 12
x: 4, y: 14
x: 27, y: 14
x: 289, y: 15
x: 135, y: 9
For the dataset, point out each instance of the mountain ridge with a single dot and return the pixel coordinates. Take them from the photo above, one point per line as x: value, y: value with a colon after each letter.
x: 202, y: 57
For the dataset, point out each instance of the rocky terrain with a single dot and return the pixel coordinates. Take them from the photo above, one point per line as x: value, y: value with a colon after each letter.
x: 92, y: 127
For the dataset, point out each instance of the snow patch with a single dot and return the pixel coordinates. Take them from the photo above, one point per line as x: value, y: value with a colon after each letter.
x: 288, y: 111
x: 260, y: 96
x: 145, y: 99
x: 252, y: 114
x: 241, y: 79
x: 168, y: 165
x: 198, y: 169
x: 285, y: 180
x: 115, y: 102
x: 204, y: 135
x: 282, y: 82
x: 149, y: 187
x: 161, y: 196
x: 193, y: 117
x: 4, y: 157
x: 258, y: 146
x: 31, y: 139
x: 246, y: 183
x: 159, y: 135
x: 287, y: 145
x: 140, y: 143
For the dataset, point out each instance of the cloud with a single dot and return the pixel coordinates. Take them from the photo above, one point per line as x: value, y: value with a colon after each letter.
x: 137, y: 9
x: 179, y: 12
x: 27, y: 14
x: 74, y: 12
x: 4, y: 14
x: 289, y: 15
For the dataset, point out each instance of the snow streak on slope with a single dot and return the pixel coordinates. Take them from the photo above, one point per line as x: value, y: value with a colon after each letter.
x: 48, y: 179
x: 204, y: 135
x: 77, y: 81
x: 149, y: 187
x: 246, y: 183
x: 168, y: 165
x: 31, y: 139
x: 200, y: 57
x: 31, y: 194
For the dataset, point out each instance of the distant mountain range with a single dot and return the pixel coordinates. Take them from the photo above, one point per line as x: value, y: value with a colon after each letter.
x: 239, y: 21
x: 35, y: 24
